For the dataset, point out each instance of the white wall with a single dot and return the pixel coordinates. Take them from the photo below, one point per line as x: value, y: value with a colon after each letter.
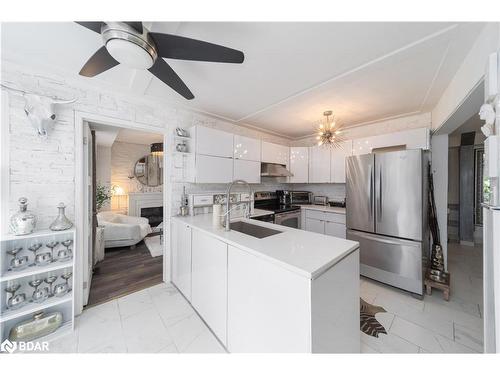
x: 468, y: 75
x: 103, y: 169
x: 439, y: 147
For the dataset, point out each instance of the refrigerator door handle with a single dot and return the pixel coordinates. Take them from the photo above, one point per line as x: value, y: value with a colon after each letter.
x: 379, y: 211
x: 370, y: 202
x: 378, y: 238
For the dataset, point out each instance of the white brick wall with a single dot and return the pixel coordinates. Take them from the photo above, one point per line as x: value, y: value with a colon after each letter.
x: 44, y: 170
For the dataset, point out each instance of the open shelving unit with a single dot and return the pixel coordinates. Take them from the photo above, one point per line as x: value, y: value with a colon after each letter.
x: 183, y: 162
x: 64, y: 304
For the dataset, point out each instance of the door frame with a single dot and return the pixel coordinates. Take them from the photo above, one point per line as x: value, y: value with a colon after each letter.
x: 80, y: 190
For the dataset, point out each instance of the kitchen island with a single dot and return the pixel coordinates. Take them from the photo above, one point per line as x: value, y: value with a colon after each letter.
x: 292, y: 291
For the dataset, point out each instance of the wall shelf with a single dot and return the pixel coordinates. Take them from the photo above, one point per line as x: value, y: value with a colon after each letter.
x: 65, y: 304
x: 30, y: 271
x: 31, y: 307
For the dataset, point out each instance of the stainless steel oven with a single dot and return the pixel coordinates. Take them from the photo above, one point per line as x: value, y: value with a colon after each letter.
x: 289, y: 218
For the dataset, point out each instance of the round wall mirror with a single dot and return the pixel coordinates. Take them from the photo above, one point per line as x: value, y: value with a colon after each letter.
x: 149, y: 170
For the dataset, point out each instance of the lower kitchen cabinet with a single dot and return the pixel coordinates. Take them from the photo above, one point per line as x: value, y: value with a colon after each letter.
x: 266, y: 309
x: 181, y: 257
x: 335, y: 229
x: 315, y: 225
x: 209, y: 281
x: 324, y: 222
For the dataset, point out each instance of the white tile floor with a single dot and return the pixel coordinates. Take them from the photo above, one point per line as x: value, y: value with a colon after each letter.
x: 158, y: 319
x: 154, y: 320
x: 432, y: 324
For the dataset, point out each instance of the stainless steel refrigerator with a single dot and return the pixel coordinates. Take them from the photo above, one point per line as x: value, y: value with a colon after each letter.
x: 386, y: 205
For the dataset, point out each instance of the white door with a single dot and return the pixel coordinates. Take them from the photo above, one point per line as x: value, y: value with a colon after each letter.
x: 181, y: 257
x: 247, y: 170
x: 213, y: 169
x: 338, y: 162
x: 315, y: 225
x: 88, y: 246
x: 209, y: 281
x: 299, y: 164
x: 335, y: 229
x: 319, y: 164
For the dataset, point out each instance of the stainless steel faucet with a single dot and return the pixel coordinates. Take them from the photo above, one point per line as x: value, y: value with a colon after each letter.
x: 228, y: 198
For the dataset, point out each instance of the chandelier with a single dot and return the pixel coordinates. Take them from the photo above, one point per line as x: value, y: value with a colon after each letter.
x: 329, y: 131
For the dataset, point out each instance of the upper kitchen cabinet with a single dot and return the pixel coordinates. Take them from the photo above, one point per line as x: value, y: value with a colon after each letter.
x: 299, y: 164
x: 246, y: 148
x: 247, y: 170
x: 319, y: 164
x: 408, y: 139
x: 213, y: 142
x: 274, y: 153
x: 337, y: 164
x: 213, y: 169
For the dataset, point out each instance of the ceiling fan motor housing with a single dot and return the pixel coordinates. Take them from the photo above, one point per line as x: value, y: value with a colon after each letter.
x: 129, y: 47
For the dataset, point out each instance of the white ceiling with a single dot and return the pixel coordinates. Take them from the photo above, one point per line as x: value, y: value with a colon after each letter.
x: 292, y: 71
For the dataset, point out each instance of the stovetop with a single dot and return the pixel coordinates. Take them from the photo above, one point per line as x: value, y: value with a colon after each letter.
x: 277, y: 208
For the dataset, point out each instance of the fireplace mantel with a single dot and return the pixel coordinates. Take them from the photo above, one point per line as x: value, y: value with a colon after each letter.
x: 136, y: 201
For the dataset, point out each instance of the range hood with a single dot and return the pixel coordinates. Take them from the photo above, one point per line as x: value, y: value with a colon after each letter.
x: 274, y: 170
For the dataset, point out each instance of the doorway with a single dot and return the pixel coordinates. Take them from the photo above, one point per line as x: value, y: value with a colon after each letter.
x: 132, y: 257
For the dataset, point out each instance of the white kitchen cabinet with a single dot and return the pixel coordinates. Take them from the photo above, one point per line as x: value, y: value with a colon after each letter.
x: 213, y: 142
x: 209, y: 282
x: 319, y: 164
x: 335, y: 229
x: 274, y: 153
x: 325, y: 222
x: 266, y: 309
x: 409, y: 139
x: 315, y: 225
x: 247, y: 170
x: 299, y: 164
x: 337, y: 164
x: 181, y: 257
x: 246, y: 148
x: 213, y: 169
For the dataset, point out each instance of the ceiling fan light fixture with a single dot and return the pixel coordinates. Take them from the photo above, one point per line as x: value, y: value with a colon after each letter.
x: 130, y: 54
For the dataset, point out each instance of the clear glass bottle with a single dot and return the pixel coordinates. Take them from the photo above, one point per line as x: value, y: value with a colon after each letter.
x: 24, y: 221
x: 61, y: 222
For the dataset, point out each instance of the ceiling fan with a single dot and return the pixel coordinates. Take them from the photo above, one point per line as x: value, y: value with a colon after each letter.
x: 131, y: 44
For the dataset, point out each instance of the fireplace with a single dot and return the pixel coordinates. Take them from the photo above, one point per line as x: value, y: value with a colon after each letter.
x: 153, y: 214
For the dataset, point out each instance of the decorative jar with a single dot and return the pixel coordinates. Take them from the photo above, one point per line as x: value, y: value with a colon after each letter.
x: 23, y: 222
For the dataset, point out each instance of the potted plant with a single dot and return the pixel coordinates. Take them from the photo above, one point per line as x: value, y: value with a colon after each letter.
x: 103, y: 195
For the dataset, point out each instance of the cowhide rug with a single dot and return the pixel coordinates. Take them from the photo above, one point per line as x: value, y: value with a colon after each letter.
x: 368, y: 323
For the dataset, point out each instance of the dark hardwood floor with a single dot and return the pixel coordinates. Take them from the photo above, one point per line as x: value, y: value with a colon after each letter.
x: 124, y: 271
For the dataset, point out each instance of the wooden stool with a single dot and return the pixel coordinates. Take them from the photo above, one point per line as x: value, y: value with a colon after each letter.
x: 445, y: 286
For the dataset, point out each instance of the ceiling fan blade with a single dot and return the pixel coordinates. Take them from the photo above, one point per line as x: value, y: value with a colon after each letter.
x: 98, y: 63
x: 135, y: 25
x: 94, y: 26
x: 164, y: 72
x: 179, y: 47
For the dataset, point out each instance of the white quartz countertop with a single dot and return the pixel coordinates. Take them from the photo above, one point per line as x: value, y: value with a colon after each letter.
x: 258, y: 212
x: 318, y: 207
x: 306, y: 253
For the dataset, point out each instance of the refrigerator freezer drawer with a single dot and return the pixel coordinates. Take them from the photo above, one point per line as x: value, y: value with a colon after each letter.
x: 390, y: 260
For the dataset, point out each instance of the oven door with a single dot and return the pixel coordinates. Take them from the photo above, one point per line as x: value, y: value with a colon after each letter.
x: 288, y: 219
